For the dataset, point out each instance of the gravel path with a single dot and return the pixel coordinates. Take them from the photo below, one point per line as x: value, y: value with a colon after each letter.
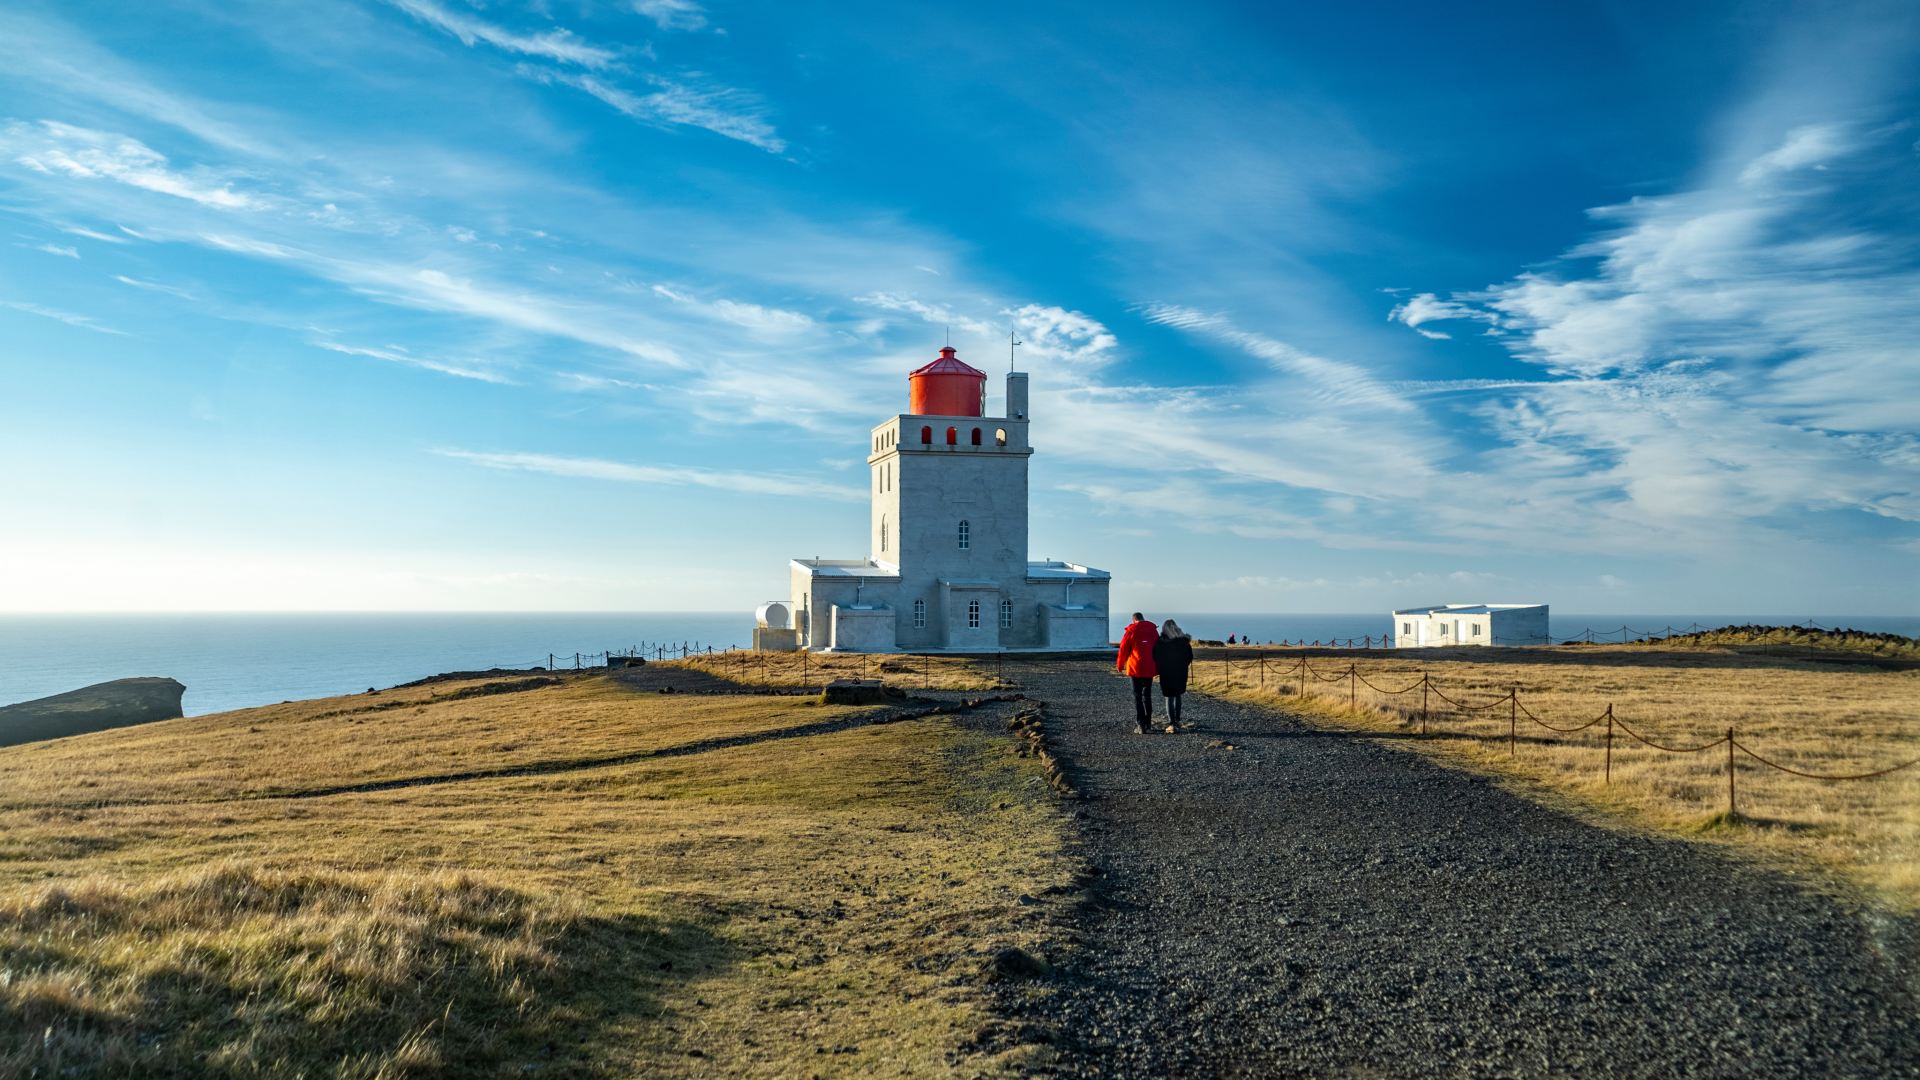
x: 1310, y: 903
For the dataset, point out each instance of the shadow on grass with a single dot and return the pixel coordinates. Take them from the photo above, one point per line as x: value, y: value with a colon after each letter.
x: 239, y: 971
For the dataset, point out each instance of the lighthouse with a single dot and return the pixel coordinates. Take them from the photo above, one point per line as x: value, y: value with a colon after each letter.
x: 947, y: 566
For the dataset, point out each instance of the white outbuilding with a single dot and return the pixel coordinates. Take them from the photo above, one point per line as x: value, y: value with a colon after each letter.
x: 948, y: 566
x: 1470, y: 624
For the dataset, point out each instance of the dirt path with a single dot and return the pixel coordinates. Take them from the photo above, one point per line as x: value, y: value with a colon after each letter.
x: 1311, y: 903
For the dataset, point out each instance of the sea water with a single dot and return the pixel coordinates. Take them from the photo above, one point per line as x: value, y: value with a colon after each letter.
x: 234, y: 661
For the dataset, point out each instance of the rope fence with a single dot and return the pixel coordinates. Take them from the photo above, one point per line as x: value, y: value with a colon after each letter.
x: 1619, y: 635
x: 1296, y: 674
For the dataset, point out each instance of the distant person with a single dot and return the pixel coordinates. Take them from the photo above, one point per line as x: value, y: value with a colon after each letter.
x: 1136, y: 660
x: 1229, y: 639
x: 1173, y: 656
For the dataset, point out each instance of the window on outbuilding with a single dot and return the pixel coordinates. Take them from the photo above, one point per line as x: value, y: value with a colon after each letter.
x: 1006, y: 614
x: 965, y: 536
x: 1476, y: 629
x: 953, y: 436
x: 919, y: 614
x: 999, y: 436
x: 973, y: 614
x: 926, y: 436
x: 1406, y: 628
x: 976, y: 436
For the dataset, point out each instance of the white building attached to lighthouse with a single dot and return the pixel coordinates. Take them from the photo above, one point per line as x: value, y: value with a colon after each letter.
x: 948, y: 566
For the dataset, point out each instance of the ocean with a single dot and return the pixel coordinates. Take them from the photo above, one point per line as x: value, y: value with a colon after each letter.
x: 235, y: 661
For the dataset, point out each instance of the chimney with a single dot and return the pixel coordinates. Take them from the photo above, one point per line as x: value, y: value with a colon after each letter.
x: 1016, y: 395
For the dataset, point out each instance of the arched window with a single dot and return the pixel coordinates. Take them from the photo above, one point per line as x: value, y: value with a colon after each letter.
x: 999, y: 436
x: 919, y: 614
x: 1006, y: 614
x: 973, y: 614
x: 976, y: 436
x: 883, y: 532
x: 966, y: 536
x: 926, y: 436
x: 953, y: 436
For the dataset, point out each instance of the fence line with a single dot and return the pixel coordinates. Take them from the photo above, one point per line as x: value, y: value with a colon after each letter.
x: 1301, y: 670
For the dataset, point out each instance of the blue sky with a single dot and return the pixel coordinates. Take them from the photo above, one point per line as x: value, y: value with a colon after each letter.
x: 444, y: 304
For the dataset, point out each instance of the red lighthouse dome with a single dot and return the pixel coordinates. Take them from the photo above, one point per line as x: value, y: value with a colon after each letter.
x: 947, y: 387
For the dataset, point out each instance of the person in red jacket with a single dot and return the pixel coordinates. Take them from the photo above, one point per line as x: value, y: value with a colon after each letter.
x: 1136, y: 661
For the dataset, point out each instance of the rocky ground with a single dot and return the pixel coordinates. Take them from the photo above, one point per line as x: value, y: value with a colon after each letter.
x: 1277, y: 900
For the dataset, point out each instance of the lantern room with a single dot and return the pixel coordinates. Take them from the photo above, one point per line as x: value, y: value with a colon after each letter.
x: 947, y: 387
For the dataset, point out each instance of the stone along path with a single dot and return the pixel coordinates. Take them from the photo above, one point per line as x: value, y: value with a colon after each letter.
x: 1311, y: 903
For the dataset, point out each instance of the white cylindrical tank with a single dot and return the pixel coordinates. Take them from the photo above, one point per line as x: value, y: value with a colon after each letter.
x: 773, y: 615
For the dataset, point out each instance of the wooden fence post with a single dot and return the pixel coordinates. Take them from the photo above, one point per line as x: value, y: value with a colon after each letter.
x: 1731, y: 813
x: 1609, y: 742
x: 1353, y: 689
x: 1513, y: 722
x: 1423, y: 703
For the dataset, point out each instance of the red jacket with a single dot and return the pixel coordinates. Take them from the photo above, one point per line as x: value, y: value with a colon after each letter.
x: 1136, y: 650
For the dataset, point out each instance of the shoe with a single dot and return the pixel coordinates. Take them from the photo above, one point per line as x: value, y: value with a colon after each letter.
x: 1145, y: 730
x: 1173, y: 729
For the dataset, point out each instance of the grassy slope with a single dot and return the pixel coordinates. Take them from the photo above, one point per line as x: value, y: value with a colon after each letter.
x: 792, y: 906
x: 1812, y: 716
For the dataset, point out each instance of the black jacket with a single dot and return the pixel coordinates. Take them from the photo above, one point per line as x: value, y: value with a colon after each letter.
x: 1173, y: 656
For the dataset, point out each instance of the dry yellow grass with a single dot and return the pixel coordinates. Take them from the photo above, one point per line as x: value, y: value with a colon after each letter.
x: 789, y: 906
x: 813, y: 669
x: 1813, y: 716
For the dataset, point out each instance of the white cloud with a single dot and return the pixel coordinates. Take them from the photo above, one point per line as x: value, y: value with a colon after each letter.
x: 1426, y: 308
x: 559, y: 45
x: 756, y: 317
x: 1811, y: 145
x: 673, y: 14
x: 395, y: 354
x: 938, y: 315
x: 84, y: 322
x: 59, y: 149
x: 56, y: 249
x: 733, y: 113
x: 153, y: 286
x: 91, y: 235
x: 746, y: 483
x: 1335, y: 382
x: 1055, y: 334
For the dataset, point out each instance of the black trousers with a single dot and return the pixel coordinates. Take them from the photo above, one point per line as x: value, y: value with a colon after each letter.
x: 1173, y: 708
x: 1142, y: 699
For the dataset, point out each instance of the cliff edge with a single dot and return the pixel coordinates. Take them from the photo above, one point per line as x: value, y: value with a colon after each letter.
x: 119, y: 703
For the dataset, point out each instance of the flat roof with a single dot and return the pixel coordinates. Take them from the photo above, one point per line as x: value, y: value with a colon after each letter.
x: 1464, y: 609
x: 847, y: 568
x: 1054, y: 568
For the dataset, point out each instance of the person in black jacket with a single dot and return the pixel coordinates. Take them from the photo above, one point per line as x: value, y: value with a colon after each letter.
x: 1173, y: 655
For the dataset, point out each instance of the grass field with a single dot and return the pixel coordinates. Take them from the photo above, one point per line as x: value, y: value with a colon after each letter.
x: 171, y: 903
x: 1812, y: 715
x: 812, y: 669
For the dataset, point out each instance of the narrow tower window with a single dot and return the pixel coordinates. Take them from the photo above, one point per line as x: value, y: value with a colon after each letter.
x: 976, y: 436
x: 966, y: 536
x: 926, y: 436
x: 973, y: 614
x: 1006, y: 614
x: 883, y: 532
x: 919, y: 614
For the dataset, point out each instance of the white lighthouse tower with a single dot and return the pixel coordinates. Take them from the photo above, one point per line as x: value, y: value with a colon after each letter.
x: 947, y: 567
